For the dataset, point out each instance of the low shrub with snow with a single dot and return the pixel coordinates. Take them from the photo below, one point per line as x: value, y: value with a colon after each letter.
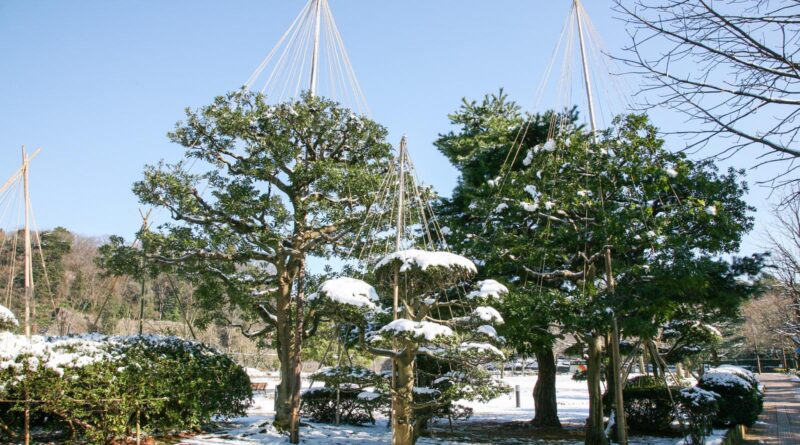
x: 94, y: 386
x: 353, y: 392
x: 699, y: 409
x: 741, y: 399
x: 648, y: 404
x: 7, y: 319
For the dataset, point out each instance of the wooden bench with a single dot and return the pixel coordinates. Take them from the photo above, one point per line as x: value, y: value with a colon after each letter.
x: 259, y: 386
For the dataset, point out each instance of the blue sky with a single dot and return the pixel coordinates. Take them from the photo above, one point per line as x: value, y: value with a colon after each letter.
x: 98, y: 83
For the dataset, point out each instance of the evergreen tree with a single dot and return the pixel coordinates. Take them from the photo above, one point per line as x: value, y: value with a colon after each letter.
x: 617, y: 229
x: 281, y: 183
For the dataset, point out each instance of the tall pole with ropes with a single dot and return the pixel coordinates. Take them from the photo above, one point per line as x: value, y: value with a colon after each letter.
x: 312, y: 88
x: 28, y: 281
x: 586, y: 78
x: 396, y: 285
x: 619, y: 410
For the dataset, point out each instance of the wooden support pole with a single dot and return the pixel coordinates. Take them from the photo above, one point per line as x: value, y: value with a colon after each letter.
x: 619, y: 403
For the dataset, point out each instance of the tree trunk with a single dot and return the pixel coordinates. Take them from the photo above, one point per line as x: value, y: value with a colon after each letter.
x: 402, y: 417
x: 544, y: 392
x: 297, y: 359
x: 284, y: 343
x: 595, y: 432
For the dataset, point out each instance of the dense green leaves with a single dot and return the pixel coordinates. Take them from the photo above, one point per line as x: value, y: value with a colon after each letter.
x: 96, y: 386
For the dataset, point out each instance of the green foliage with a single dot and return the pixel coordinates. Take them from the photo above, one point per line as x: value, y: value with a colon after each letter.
x: 97, y: 386
x: 544, y: 218
x: 699, y: 408
x: 649, y: 406
x: 49, y: 277
x: 741, y: 400
x: 355, y: 392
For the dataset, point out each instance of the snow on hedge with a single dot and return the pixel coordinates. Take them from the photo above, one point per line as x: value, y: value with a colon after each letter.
x: 487, y: 314
x: 417, y: 329
x: 488, y: 289
x: 58, y: 354
x: 725, y: 379
x: 7, y: 317
x: 55, y: 354
x: 348, y: 291
x: 425, y: 259
x: 699, y: 397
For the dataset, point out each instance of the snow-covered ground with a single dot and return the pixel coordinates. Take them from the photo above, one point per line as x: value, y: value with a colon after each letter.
x: 573, y: 408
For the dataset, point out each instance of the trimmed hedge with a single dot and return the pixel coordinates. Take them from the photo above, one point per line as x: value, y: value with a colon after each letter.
x: 95, y: 387
x: 648, y: 406
x: 741, y: 399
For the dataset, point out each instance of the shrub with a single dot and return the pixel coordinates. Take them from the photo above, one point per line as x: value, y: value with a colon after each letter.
x: 361, y: 392
x: 648, y: 406
x: 7, y: 319
x: 741, y: 400
x: 96, y: 387
x: 699, y: 408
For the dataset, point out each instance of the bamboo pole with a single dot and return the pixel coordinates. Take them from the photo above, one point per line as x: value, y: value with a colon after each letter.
x: 145, y: 217
x: 315, y: 55
x: 587, y: 80
x: 28, y: 283
x: 396, y: 284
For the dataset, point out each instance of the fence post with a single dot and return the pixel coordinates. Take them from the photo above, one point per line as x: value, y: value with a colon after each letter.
x: 516, y: 393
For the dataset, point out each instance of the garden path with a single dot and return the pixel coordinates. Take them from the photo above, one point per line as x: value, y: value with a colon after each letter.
x: 779, y: 424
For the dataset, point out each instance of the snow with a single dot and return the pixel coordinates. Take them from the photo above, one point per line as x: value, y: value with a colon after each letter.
x: 528, y: 207
x: 725, y: 379
x: 56, y: 354
x: 487, y: 314
x: 711, y: 210
x: 548, y: 205
x: 531, y: 190
x: 712, y: 330
x: 528, y: 158
x: 550, y: 145
x: 482, y: 348
x: 255, y: 372
x: 501, y: 207
x: 349, y: 291
x: 671, y: 172
x: 418, y: 329
x: 7, y: 317
x: 488, y: 289
x: 425, y: 390
x: 488, y: 330
x: 699, y: 397
x: 369, y: 395
x: 425, y: 259
x: 573, y: 408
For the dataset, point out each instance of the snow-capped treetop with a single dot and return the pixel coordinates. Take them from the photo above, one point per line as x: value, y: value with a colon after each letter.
x: 416, y: 329
x: 488, y: 289
x: 348, y: 291
x: 7, y: 318
x: 424, y: 259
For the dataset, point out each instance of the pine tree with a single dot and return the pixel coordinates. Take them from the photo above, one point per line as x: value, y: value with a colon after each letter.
x: 278, y: 183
